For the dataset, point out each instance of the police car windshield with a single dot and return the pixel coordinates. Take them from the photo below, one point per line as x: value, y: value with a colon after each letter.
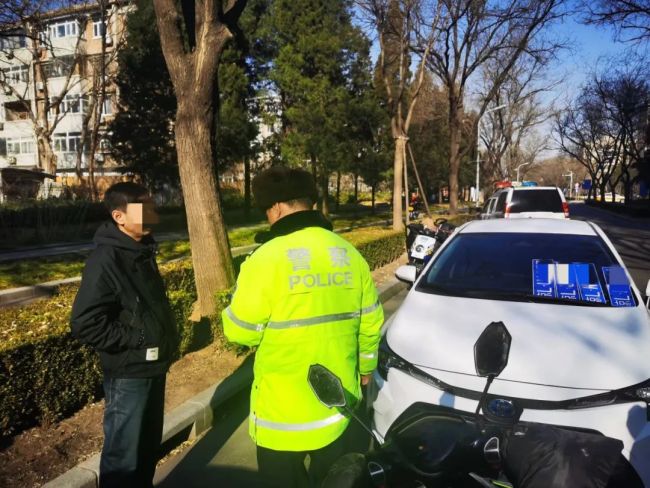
x: 500, y: 266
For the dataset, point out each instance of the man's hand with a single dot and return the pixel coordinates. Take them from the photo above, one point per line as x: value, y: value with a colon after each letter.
x: 365, y: 379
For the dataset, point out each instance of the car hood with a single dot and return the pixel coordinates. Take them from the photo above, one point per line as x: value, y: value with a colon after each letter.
x: 596, y: 348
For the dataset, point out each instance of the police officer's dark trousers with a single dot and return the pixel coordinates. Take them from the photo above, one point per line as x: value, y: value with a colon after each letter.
x: 287, y: 468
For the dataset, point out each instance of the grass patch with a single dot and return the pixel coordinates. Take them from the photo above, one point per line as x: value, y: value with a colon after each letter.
x: 35, y: 271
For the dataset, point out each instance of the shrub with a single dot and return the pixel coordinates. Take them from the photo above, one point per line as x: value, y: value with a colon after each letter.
x: 46, y: 375
x: 231, y: 198
x: 378, y: 246
x: 47, y: 221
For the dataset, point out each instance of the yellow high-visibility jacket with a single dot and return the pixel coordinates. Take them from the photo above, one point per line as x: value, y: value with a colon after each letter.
x: 304, y: 297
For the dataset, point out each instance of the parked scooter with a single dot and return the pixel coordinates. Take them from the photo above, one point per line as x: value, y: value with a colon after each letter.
x: 422, y: 242
x: 435, y: 446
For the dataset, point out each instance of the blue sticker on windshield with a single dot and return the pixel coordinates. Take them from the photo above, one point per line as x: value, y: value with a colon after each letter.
x: 588, y: 283
x: 544, y: 278
x: 618, y: 286
x: 566, y: 282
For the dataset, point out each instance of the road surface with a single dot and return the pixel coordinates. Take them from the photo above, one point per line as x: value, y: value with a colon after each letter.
x: 631, y: 237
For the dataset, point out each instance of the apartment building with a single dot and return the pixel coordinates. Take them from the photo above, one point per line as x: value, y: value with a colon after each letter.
x: 57, y: 91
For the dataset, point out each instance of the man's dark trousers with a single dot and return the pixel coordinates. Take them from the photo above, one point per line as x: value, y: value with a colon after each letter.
x: 133, y: 421
x: 286, y: 469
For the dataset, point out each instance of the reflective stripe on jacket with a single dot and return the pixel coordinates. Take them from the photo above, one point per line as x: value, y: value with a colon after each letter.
x: 304, y: 298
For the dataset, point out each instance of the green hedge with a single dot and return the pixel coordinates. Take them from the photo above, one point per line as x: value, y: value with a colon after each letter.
x: 47, y: 221
x: 46, y: 375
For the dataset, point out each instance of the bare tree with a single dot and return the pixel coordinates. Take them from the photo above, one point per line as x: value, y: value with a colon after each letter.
x: 508, y: 134
x: 193, y: 34
x: 624, y: 93
x: 630, y: 18
x: 589, y: 135
x: 98, y: 90
x: 31, y: 57
x: 473, y: 33
x: 400, y: 28
x: 605, y: 127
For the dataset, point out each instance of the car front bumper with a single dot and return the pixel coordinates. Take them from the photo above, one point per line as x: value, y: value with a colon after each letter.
x: 626, y: 421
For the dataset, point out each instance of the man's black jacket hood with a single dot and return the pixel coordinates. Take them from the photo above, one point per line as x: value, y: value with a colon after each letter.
x: 122, y: 309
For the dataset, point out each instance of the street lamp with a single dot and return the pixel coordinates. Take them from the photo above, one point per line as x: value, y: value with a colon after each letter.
x: 523, y: 164
x: 478, y: 142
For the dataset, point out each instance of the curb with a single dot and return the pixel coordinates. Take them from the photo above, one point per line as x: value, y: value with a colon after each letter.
x: 196, y: 414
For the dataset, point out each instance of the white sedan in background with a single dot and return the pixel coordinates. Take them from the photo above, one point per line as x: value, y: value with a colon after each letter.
x: 580, y: 353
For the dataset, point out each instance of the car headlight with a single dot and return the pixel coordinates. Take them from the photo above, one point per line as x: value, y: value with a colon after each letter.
x: 388, y: 359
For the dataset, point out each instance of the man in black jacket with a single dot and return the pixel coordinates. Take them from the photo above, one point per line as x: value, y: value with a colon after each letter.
x: 123, y: 312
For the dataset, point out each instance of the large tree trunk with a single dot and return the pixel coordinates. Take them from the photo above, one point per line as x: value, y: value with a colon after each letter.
x: 356, y: 188
x: 211, y: 256
x: 372, y: 199
x: 46, y: 156
x: 338, y: 190
x: 247, y: 187
x: 193, y: 67
x: 325, y: 204
x: 398, y: 179
x: 454, y: 154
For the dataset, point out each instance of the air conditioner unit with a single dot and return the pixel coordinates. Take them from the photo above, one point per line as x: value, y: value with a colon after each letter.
x: 12, y: 160
x: 40, y: 86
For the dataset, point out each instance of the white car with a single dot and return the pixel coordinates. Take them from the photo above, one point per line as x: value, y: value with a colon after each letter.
x: 525, y: 202
x: 575, y: 360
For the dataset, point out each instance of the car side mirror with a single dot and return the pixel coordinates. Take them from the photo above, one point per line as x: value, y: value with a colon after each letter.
x: 492, y: 349
x: 406, y: 273
x: 647, y: 295
x: 326, y: 386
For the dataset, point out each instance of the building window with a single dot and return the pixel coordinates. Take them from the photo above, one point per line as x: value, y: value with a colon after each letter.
x: 69, y: 28
x: 107, y: 107
x: 18, y: 110
x: 66, y: 141
x: 21, y: 146
x: 13, y: 41
x: 99, y: 29
x: 59, y: 67
x: 16, y: 74
x: 71, y: 104
x: 105, y: 145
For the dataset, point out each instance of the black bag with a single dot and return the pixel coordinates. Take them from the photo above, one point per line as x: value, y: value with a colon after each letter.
x: 549, y: 457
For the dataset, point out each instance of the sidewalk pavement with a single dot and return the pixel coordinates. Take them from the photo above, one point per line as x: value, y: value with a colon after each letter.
x: 195, y: 416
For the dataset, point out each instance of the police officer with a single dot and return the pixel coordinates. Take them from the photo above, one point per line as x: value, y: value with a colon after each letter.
x: 306, y: 296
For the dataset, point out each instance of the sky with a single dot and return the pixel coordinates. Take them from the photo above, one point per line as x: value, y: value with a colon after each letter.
x: 588, y: 49
x: 589, y: 46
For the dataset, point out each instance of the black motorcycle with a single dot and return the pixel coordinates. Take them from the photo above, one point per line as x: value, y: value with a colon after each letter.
x: 435, y: 446
x: 422, y: 242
